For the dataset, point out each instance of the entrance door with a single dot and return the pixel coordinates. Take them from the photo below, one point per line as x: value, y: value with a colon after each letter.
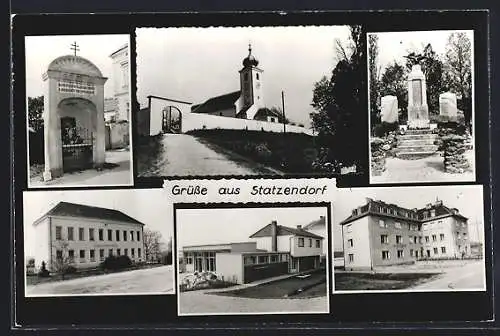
x: 171, y: 120
x: 428, y: 253
x: 76, y: 145
x: 198, y: 266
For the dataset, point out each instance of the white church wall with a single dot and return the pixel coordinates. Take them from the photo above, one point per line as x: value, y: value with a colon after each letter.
x: 197, y: 121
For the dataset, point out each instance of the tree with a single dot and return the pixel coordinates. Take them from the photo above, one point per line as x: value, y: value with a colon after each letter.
x: 432, y: 67
x: 152, y: 245
x: 394, y: 82
x: 374, y: 78
x: 35, y: 112
x: 62, y: 262
x: 458, y: 72
x: 340, y: 109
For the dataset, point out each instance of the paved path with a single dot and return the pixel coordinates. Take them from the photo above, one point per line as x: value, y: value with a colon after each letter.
x: 145, y: 281
x: 198, y: 303
x: 470, y: 276
x: 119, y: 175
x: 429, y: 169
x: 184, y: 155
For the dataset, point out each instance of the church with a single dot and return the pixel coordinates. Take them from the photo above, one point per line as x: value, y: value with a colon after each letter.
x: 246, y: 103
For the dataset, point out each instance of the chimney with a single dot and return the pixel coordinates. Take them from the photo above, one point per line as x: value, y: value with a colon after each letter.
x: 299, y: 227
x: 274, y: 236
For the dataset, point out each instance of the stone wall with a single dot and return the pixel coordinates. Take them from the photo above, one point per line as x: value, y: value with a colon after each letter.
x: 454, y: 147
x: 378, y: 156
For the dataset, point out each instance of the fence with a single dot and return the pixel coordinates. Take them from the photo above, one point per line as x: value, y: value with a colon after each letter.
x: 36, y: 147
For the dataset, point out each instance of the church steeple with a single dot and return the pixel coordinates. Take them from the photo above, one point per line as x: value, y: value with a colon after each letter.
x: 250, y: 60
x: 251, y: 81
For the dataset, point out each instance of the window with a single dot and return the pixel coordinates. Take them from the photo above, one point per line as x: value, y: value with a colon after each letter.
x: 275, y: 258
x: 82, y: 255
x: 420, y: 240
x: 386, y: 255
x: 415, y: 239
x: 263, y: 259
x: 59, y: 255
x: 110, y: 252
x: 441, y: 236
x: 411, y: 252
x: 58, y: 233
x: 443, y: 249
x: 399, y: 239
x: 139, y: 252
x: 101, y: 234
x: 138, y: 236
x: 110, y: 235
x: 318, y: 243
x: 81, y: 234
x: 117, y: 235
x: 132, y: 252
x: 189, y: 261
x: 310, y: 242
x: 301, y: 242
x: 131, y: 235
x: 92, y: 255
x: 124, y: 235
x: 410, y: 239
x: 435, y: 250
x: 91, y: 234
x: 397, y: 225
x: 71, y: 255
x: 400, y: 254
x: 101, y: 254
x: 465, y: 235
x: 118, y: 252
x: 351, y: 257
x: 381, y: 223
x: 349, y: 228
x: 125, y: 251
x: 250, y: 260
x: 71, y: 233
x: 284, y: 258
x: 350, y: 242
x: 434, y: 238
x: 384, y: 239
x: 426, y: 239
x: 257, y: 75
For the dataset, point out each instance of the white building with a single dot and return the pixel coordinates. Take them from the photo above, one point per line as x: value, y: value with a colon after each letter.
x: 85, y: 235
x: 318, y: 227
x: 121, y: 82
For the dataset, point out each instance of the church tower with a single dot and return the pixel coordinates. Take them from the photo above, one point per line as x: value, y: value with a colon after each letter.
x: 251, y: 82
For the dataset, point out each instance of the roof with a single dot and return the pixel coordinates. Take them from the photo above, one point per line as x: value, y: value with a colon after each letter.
x: 218, y: 103
x: 370, y: 209
x: 125, y: 46
x: 321, y: 221
x: 284, y: 231
x: 66, y: 209
x: 76, y: 65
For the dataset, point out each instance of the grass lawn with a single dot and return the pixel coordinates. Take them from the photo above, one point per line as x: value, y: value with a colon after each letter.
x: 379, y: 281
x: 35, y: 279
x: 314, y: 285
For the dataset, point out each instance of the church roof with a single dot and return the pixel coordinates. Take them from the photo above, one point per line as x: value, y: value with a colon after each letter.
x: 66, y: 209
x: 75, y: 64
x: 218, y: 103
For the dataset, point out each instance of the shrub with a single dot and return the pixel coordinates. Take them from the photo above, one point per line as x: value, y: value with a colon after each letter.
x: 69, y: 269
x: 116, y: 262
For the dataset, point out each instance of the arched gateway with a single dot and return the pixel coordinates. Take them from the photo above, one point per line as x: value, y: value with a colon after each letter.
x: 73, y: 116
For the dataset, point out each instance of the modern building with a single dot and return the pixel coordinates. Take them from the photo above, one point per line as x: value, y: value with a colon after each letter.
x: 318, y: 227
x: 382, y: 234
x: 121, y: 82
x: 84, y: 236
x: 274, y: 250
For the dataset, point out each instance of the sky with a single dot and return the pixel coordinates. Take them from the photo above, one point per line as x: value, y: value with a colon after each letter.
x: 145, y: 205
x: 233, y: 225
x: 467, y: 199
x: 394, y: 45
x: 41, y: 50
x: 194, y: 64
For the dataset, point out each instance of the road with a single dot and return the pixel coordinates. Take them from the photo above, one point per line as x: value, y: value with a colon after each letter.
x: 145, y: 281
x: 429, y: 169
x: 470, y: 276
x: 200, y: 303
x: 184, y: 155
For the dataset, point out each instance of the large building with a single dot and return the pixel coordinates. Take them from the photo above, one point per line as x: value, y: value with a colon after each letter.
x: 85, y: 235
x: 274, y: 250
x: 382, y: 234
x: 121, y: 82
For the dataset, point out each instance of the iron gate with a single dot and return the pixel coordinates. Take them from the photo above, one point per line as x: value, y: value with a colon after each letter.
x: 170, y: 123
x: 77, y: 151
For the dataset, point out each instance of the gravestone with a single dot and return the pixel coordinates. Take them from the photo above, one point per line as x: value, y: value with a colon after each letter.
x: 448, y: 105
x: 418, y: 111
x: 389, y: 106
x: 73, y: 116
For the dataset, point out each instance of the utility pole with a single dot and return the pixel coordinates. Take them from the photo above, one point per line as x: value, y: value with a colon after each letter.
x: 283, y: 108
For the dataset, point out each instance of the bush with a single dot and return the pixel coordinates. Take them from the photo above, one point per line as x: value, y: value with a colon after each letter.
x: 384, y: 128
x: 69, y: 269
x: 116, y: 262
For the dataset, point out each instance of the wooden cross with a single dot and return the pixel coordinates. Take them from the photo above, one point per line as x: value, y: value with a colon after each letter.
x: 75, y: 47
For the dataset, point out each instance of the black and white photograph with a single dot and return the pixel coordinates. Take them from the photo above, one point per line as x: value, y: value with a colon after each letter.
x: 78, y: 110
x: 421, y: 106
x: 250, y: 101
x: 409, y: 239
x: 262, y: 260
x: 97, y: 242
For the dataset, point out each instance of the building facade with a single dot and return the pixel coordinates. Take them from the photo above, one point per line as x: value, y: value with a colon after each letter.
x: 381, y: 234
x: 274, y: 250
x: 121, y: 82
x: 84, y: 236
